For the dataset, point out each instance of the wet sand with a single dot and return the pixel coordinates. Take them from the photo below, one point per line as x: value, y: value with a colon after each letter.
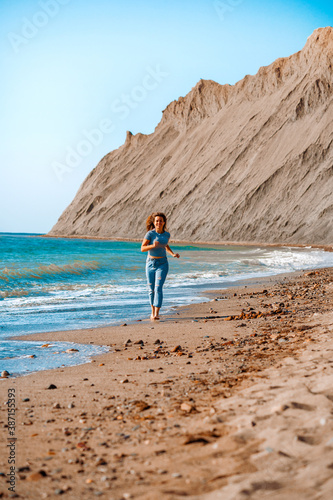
x: 228, y: 399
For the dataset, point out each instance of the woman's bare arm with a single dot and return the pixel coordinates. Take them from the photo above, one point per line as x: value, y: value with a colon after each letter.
x: 145, y: 246
x: 168, y: 249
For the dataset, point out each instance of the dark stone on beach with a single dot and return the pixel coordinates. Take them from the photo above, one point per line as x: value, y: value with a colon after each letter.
x: 104, y: 444
x: 157, y: 341
x: 266, y: 485
x: 25, y: 400
x: 52, y: 386
x: 5, y: 374
x: 142, y: 405
x: 100, y: 461
x: 307, y: 439
x: 139, y: 342
x: 176, y: 475
x: 25, y: 468
x: 59, y: 491
x: 301, y: 406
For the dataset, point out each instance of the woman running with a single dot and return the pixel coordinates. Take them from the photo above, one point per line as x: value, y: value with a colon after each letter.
x: 155, y: 243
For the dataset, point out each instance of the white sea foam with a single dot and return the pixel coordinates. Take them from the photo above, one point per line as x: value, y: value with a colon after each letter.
x: 23, y: 357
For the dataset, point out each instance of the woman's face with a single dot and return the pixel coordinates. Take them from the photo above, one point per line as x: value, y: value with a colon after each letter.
x: 159, y: 223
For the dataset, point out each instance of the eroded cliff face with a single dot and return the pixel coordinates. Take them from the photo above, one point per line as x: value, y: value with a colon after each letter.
x: 248, y: 162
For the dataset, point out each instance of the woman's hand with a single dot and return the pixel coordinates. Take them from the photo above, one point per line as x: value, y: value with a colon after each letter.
x: 168, y: 249
x: 145, y: 247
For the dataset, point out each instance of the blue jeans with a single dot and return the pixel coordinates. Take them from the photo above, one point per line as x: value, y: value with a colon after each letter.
x: 156, y: 271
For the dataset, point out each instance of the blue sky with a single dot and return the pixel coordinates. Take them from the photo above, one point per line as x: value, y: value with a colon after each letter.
x: 76, y: 74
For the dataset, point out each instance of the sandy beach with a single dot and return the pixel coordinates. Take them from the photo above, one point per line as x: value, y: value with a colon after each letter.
x: 166, y: 251
x: 230, y: 399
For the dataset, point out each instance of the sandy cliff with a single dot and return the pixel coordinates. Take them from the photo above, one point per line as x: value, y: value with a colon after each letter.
x: 248, y: 162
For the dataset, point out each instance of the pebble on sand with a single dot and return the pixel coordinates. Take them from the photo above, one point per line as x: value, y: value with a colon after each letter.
x: 187, y: 407
x: 36, y: 476
x: 177, y: 348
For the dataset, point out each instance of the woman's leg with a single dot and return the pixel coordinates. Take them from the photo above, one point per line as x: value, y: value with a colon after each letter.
x: 150, y: 273
x: 152, y: 316
x: 161, y: 274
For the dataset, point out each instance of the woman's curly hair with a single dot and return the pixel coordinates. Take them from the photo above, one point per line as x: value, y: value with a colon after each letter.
x: 150, y: 221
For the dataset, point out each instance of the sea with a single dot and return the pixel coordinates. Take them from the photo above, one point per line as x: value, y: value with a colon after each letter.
x: 57, y: 284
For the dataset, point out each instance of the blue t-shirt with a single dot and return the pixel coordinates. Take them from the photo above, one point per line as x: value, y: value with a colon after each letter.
x: 162, y: 238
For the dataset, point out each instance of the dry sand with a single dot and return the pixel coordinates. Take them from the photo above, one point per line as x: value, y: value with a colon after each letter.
x: 242, y: 408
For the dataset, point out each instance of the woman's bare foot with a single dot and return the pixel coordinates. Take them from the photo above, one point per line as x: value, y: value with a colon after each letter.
x: 157, y: 312
x: 152, y: 316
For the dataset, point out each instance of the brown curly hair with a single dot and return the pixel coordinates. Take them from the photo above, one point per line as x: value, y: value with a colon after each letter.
x: 150, y: 221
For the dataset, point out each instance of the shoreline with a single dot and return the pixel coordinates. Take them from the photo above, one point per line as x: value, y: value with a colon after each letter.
x: 170, y: 316
x: 196, y: 405
x: 325, y: 247
x: 177, y: 314
x: 198, y: 292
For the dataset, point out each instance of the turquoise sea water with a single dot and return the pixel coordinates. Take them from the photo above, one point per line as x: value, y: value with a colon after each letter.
x: 50, y: 284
